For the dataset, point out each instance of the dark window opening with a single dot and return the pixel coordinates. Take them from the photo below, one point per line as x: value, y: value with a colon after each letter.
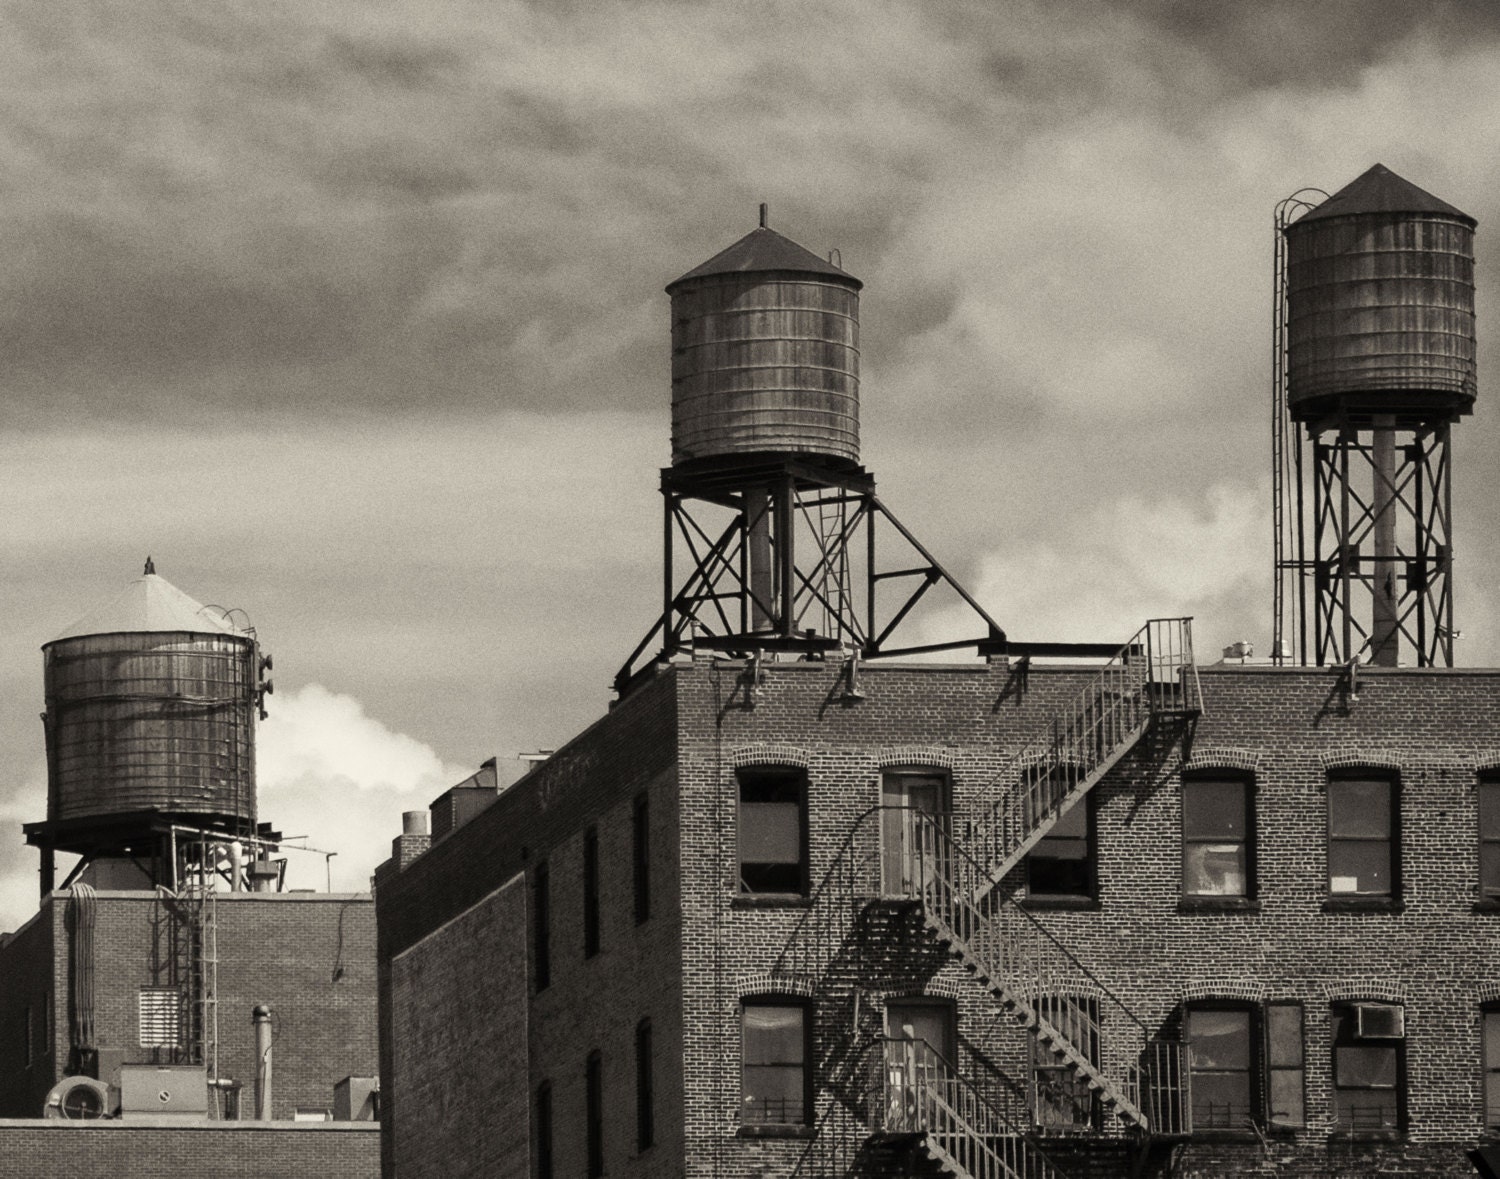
x: 541, y: 948
x: 640, y: 826
x: 1221, y: 1060
x: 1061, y: 1099
x: 1217, y: 838
x: 1062, y: 862
x: 774, y: 1052
x: 544, y: 1130
x: 645, y: 1086
x: 590, y: 892
x: 1285, y: 1084
x: 594, y: 1114
x: 1368, y: 1070
x: 1489, y: 838
x: 1361, y: 837
x: 773, y: 831
x: 1491, y: 1017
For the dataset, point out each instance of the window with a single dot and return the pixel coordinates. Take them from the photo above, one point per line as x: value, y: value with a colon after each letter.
x: 773, y: 1062
x: 1284, y: 1066
x: 1061, y: 864
x: 773, y: 830
x: 645, y: 1087
x: 541, y: 948
x: 1221, y: 1061
x: 160, y: 1011
x: 590, y: 892
x: 544, y: 1130
x: 1368, y: 1066
x: 912, y: 820
x: 1491, y: 1018
x: 640, y: 827
x: 1217, y: 837
x: 1361, y: 837
x: 593, y: 1083
x: 1060, y: 1098
x: 1489, y: 838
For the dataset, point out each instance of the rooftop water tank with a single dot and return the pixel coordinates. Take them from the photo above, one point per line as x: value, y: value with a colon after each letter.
x: 1380, y: 304
x: 150, y: 707
x: 765, y: 354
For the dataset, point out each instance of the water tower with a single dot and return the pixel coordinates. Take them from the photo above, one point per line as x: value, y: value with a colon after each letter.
x: 774, y: 539
x: 1374, y: 362
x: 150, y: 712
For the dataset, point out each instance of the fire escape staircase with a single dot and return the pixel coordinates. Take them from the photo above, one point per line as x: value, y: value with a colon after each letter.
x: 977, y: 920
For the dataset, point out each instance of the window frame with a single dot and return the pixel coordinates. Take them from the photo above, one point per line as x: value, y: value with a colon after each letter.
x: 1391, y: 779
x: 1254, y: 1070
x: 1088, y: 804
x: 640, y: 851
x: 805, y: 1007
x: 1218, y: 776
x: 1041, y: 1061
x: 1489, y: 1083
x: 1489, y: 783
x: 746, y: 776
x: 645, y: 1087
x: 593, y: 1113
x: 590, y: 891
x: 541, y: 931
x: 1272, y: 1068
x: 1341, y: 1022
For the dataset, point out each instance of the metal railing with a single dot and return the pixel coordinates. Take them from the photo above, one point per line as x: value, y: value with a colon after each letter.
x: 1151, y: 675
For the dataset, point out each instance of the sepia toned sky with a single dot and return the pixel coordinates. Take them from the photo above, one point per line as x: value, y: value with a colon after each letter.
x: 351, y: 316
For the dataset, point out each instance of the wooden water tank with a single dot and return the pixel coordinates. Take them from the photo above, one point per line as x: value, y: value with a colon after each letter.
x: 765, y: 354
x: 1380, y: 304
x: 156, y: 717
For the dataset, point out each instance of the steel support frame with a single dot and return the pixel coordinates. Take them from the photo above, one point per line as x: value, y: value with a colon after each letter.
x: 820, y: 573
x: 1339, y: 579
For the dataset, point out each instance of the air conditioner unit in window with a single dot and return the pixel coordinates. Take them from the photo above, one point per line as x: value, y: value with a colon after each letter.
x: 1379, y: 1021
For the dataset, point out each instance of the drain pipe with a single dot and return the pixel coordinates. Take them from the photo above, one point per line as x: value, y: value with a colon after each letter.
x: 261, y: 1018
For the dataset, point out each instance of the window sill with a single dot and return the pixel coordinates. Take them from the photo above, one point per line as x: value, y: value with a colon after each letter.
x: 773, y: 1130
x: 1081, y: 904
x: 1225, y: 1135
x: 1363, y: 905
x: 769, y: 900
x: 1486, y: 906
x: 1217, y: 904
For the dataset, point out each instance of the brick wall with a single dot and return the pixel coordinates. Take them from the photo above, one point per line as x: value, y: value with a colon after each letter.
x: 590, y: 1005
x: 459, y: 999
x: 232, y: 1150
x: 28, y: 980
x: 311, y: 957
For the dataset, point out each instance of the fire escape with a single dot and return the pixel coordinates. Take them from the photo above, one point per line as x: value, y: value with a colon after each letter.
x: 878, y: 1092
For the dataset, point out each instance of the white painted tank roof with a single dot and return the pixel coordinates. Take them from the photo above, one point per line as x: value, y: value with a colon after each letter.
x: 151, y: 603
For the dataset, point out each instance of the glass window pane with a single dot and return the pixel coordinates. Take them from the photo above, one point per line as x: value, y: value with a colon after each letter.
x: 1489, y: 870
x: 1489, y: 810
x: 1361, y: 1067
x: 770, y: 832
x: 1213, y: 810
x: 1492, y: 1039
x: 1366, y: 1109
x: 1286, y: 1097
x: 772, y: 1093
x: 1359, y: 868
x: 1220, y: 1099
x: 1073, y: 825
x: 1219, y: 1039
x: 1213, y: 869
x: 1359, y: 807
x: 1064, y: 877
x: 1284, y: 1035
x: 773, y: 1035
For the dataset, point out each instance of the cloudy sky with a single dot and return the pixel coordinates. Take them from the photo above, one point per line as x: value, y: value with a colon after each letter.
x: 351, y: 315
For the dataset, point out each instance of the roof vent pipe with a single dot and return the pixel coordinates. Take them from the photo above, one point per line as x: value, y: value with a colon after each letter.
x: 261, y: 1018
x: 765, y: 210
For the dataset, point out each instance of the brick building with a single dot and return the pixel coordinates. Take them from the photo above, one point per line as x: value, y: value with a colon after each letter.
x: 785, y: 912
x: 126, y: 1001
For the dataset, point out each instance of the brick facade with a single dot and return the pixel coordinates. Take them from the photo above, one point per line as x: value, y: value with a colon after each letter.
x: 684, y: 735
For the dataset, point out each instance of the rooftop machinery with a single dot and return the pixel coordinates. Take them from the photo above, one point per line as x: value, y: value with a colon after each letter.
x: 1374, y: 358
x: 774, y: 540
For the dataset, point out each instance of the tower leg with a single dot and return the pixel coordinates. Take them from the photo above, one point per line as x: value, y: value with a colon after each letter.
x: 1385, y: 616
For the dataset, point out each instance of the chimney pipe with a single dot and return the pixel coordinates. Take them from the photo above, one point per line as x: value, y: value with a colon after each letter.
x: 261, y: 1018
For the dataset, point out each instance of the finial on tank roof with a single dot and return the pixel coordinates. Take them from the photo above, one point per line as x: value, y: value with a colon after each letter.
x: 765, y: 211
x: 150, y: 567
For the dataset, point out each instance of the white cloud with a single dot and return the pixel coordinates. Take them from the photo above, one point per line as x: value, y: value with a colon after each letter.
x: 328, y: 770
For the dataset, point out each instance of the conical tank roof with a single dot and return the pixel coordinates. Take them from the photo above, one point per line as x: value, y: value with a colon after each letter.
x: 150, y: 603
x: 765, y: 249
x: 1379, y: 190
